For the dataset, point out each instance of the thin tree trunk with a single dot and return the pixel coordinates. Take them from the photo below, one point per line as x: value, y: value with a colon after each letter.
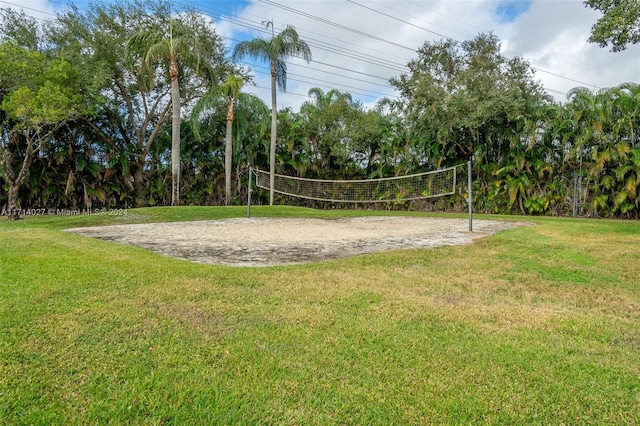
x: 274, y: 127
x: 15, y: 181
x: 175, y: 135
x: 228, y: 151
x: 13, y: 208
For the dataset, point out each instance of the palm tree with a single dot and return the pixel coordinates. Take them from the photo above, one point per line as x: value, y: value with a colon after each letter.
x: 275, y: 51
x: 627, y: 117
x: 325, y: 124
x: 230, y: 90
x: 251, y: 124
x: 179, y: 48
x: 232, y: 87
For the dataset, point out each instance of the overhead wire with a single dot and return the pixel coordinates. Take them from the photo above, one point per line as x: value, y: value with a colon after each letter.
x: 398, y: 19
x: 270, y: 2
x: 317, y: 44
x: 479, y: 29
x: 341, y: 51
x: 28, y: 8
x: 336, y: 25
x: 355, y: 90
x: 369, y: 93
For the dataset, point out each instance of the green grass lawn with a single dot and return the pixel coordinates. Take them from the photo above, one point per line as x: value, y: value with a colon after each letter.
x: 535, y: 325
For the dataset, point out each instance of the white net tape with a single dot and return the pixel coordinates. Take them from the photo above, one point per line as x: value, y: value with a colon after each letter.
x: 403, y: 188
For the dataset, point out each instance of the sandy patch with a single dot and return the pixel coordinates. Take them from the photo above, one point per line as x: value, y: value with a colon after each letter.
x: 274, y: 241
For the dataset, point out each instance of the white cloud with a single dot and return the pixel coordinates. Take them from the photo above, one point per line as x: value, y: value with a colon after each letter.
x: 357, y: 49
x: 551, y: 34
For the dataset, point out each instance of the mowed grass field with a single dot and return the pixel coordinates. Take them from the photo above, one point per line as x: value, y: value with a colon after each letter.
x: 535, y: 325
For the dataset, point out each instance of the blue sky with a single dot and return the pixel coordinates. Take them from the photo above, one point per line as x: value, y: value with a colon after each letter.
x: 509, y: 11
x: 358, y: 45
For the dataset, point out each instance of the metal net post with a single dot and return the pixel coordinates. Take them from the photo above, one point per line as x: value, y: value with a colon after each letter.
x: 470, y: 183
x: 249, y: 194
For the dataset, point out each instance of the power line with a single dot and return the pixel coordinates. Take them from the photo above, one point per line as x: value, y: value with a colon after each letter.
x: 391, y: 66
x: 340, y: 26
x: 445, y: 15
x: 288, y: 92
x: 328, y: 47
x: 450, y: 38
x: 351, y: 53
x: 397, y: 19
x: 359, y: 90
x: 370, y: 93
x: 28, y: 8
x: 479, y: 29
x: 315, y: 61
x: 332, y: 48
x: 403, y: 21
x: 562, y: 76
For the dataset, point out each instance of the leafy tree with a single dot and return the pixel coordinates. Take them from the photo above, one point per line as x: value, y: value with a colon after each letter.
x: 39, y: 95
x: 251, y: 127
x: 276, y: 51
x: 620, y: 24
x: 294, y: 154
x: 66, y: 172
x: 605, y: 126
x: 385, y: 135
x: 202, y: 164
x: 20, y: 28
x: 328, y: 120
x: 179, y: 47
x: 230, y: 93
x: 138, y: 104
x: 464, y: 99
x: 627, y: 115
x: 373, y: 143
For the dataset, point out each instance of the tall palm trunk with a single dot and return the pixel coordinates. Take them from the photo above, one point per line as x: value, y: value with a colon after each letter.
x: 274, y: 128
x: 280, y: 47
x: 175, y: 134
x: 228, y: 151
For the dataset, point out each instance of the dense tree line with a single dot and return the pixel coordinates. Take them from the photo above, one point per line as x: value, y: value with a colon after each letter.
x: 97, y: 106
